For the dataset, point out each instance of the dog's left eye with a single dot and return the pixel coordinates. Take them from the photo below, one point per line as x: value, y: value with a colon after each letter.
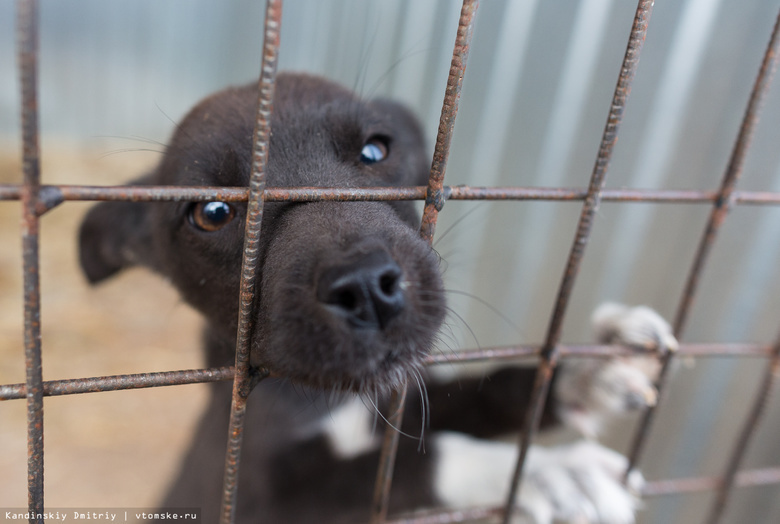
x: 211, y: 216
x: 375, y: 150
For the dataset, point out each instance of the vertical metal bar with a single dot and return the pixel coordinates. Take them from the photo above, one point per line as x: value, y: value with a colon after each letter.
x: 28, y: 65
x: 721, y: 207
x: 592, y: 201
x: 384, y: 475
x: 748, y: 430
x: 434, y: 202
x: 261, y: 138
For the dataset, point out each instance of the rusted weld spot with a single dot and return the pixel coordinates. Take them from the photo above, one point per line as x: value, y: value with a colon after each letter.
x: 253, y: 379
x: 436, y: 198
x: 49, y: 197
x: 726, y: 201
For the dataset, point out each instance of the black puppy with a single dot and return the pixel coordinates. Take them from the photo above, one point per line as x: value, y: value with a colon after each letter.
x: 350, y: 300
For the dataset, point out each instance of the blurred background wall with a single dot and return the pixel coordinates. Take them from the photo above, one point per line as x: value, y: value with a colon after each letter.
x: 116, y: 76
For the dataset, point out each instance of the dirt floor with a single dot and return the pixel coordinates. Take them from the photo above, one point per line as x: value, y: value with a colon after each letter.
x: 114, y: 449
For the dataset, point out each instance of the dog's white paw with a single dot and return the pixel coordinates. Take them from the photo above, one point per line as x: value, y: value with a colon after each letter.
x: 637, y: 326
x: 579, y: 483
x: 592, y: 391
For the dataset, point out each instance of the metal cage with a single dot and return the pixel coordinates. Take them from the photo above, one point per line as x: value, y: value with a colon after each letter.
x: 38, y: 199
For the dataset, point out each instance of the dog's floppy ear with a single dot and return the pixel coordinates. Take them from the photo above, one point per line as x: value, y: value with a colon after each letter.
x: 113, y: 236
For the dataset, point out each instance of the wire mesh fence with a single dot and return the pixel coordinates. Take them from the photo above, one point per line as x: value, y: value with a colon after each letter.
x: 38, y: 199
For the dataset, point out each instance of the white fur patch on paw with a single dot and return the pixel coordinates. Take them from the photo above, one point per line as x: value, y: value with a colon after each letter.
x: 470, y: 471
x: 592, y: 391
x: 575, y: 483
x: 582, y: 482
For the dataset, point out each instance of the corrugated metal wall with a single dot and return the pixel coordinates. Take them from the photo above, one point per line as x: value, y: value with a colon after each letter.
x: 535, y: 99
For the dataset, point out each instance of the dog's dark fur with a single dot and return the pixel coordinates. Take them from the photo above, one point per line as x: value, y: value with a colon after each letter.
x: 289, y: 472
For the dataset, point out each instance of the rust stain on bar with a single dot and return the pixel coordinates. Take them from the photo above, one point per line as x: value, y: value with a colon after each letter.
x: 723, y: 204
x: 261, y: 138
x: 27, y: 41
x: 592, y: 201
x: 434, y: 201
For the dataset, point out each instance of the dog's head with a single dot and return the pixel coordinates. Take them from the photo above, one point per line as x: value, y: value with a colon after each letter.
x: 348, y: 295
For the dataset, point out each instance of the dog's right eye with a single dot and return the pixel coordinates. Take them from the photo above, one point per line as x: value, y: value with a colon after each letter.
x: 211, y: 216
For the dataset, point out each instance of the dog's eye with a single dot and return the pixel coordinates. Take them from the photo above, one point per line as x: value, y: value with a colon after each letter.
x: 374, y: 150
x: 211, y: 216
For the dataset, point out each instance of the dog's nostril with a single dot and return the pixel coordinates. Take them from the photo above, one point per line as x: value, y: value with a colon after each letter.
x: 345, y: 298
x: 366, y: 292
x: 388, y: 283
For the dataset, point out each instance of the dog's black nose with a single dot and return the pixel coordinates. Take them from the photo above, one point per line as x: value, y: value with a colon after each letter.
x: 366, y: 291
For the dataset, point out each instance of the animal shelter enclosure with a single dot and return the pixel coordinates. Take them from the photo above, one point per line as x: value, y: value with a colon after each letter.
x: 681, y: 213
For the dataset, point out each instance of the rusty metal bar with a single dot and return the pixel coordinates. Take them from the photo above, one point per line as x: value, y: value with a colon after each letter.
x: 494, y: 354
x: 746, y: 478
x: 250, y: 260
x: 502, y: 353
x: 550, y: 351
x: 53, y: 195
x: 771, y: 375
x: 434, y: 201
x: 74, y: 386
x: 722, y: 206
x: 384, y: 476
x: 27, y: 41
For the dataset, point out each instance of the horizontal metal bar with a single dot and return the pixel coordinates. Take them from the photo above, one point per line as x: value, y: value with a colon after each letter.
x: 596, y: 351
x: 657, y: 488
x: 745, y: 478
x: 450, y: 516
x: 500, y: 353
x: 74, y: 386
x: 53, y: 195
